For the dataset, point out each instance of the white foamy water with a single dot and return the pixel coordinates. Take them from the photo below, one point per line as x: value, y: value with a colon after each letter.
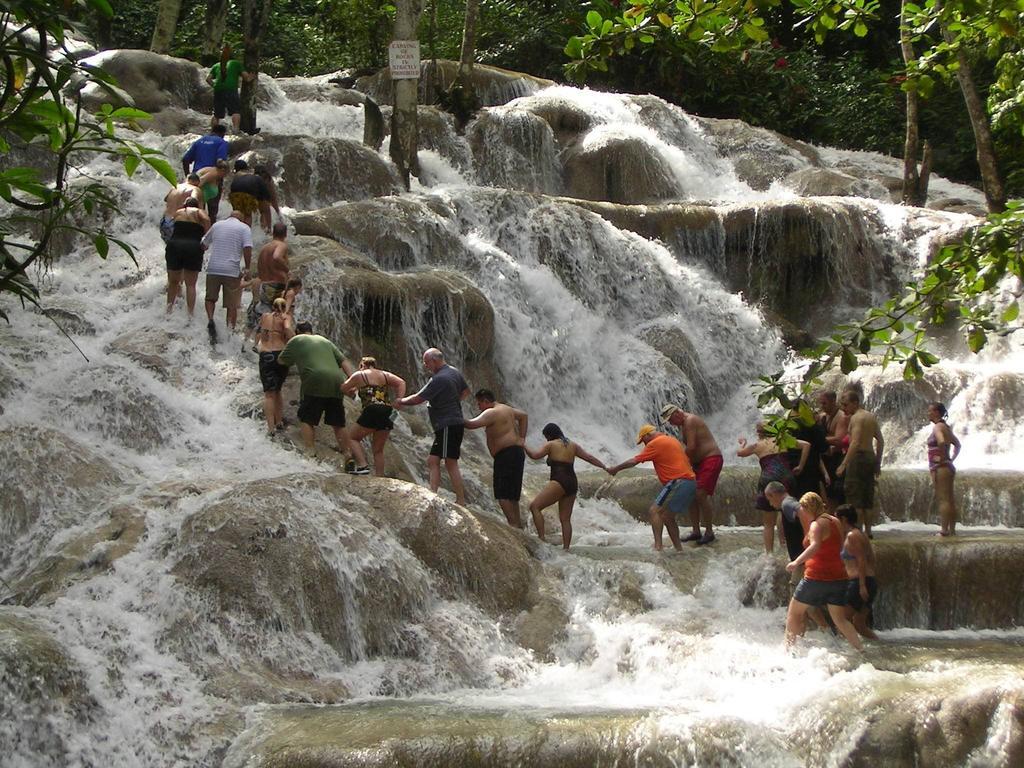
x: 155, y: 412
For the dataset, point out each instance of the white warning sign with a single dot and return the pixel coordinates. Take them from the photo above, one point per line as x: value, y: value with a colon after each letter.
x: 404, y: 58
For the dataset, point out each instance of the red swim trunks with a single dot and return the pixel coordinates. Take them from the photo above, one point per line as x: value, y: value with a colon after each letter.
x: 707, y: 473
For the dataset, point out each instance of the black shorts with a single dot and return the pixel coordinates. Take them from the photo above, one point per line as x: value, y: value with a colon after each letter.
x: 508, y: 473
x: 272, y: 374
x: 820, y: 593
x: 184, y: 254
x: 836, y: 490
x: 332, y: 409
x: 376, y: 416
x: 853, y: 593
x: 448, y: 442
x: 794, y: 534
x: 226, y: 102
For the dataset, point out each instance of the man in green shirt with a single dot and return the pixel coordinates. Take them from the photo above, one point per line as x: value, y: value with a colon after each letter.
x: 225, y: 77
x: 320, y: 365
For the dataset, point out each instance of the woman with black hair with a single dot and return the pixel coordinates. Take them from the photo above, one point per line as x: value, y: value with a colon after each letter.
x: 940, y: 465
x: 562, y: 486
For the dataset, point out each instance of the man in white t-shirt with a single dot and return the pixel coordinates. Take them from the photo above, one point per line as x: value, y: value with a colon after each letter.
x: 227, y: 243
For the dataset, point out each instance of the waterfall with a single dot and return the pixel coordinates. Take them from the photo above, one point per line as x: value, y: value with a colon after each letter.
x: 176, y: 589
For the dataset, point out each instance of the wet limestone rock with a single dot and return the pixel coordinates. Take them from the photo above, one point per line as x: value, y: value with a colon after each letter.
x: 40, y: 687
x: 379, y: 313
x: 153, y: 81
x: 82, y: 557
x: 760, y: 156
x: 514, y: 150
x: 826, y: 182
x: 319, y: 171
x: 318, y: 89
x: 50, y: 479
x: 270, y: 554
x: 151, y: 348
x: 473, y: 554
x: 618, y: 170
x: 943, y: 731
x: 491, y: 85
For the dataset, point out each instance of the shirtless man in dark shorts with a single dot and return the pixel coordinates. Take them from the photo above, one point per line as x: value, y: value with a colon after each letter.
x: 505, y: 429
x: 863, y: 462
x: 706, y: 459
x: 272, y: 270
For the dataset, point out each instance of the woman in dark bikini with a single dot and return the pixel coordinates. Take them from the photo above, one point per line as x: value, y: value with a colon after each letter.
x: 562, y: 486
x: 274, y: 330
x: 374, y: 387
x: 940, y: 465
x: 774, y: 467
x: 858, y: 556
x: 184, y: 252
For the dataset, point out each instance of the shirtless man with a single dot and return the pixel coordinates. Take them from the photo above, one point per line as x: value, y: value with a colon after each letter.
x: 706, y: 460
x: 272, y: 271
x: 175, y: 200
x: 863, y: 462
x: 505, y: 428
x: 836, y: 424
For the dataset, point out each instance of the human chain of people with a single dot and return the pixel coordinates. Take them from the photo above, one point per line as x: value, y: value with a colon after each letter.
x: 816, y: 498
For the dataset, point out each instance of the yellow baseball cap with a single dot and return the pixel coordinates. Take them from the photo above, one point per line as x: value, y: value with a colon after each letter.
x: 645, y: 430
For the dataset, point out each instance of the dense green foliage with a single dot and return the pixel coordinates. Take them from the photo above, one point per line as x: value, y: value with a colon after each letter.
x: 45, y: 134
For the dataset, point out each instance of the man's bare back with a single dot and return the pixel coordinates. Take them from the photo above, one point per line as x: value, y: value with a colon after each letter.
x: 863, y: 431
x: 272, y: 263
x: 502, y: 427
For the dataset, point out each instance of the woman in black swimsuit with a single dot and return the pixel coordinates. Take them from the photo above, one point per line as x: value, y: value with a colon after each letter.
x: 562, y: 486
x: 184, y: 253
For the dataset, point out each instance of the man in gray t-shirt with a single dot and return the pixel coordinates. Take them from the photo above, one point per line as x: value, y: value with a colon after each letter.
x: 444, y: 393
x: 791, y: 530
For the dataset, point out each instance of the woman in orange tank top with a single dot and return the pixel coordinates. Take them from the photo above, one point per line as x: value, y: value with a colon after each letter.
x: 824, y: 581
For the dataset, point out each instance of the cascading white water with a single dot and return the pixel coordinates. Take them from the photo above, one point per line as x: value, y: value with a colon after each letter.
x: 153, y: 416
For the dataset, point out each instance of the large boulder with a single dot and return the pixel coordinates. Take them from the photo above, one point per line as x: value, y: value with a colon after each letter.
x: 491, y: 85
x: 760, y: 156
x: 827, y: 182
x: 43, y: 694
x: 152, y: 81
x: 390, y: 316
x: 515, y: 150
x: 49, y: 483
x: 618, y: 170
x: 319, y: 171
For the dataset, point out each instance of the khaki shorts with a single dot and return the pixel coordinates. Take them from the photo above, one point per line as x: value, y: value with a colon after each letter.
x: 232, y: 290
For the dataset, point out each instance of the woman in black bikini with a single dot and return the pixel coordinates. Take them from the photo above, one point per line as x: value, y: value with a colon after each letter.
x: 375, y: 387
x: 562, y: 486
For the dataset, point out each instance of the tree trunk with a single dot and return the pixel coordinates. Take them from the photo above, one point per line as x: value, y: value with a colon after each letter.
x: 255, y: 14
x: 404, y: 128
x: 995, y: 194
x: 213, y: 29
x: 166, y: 24
x: 469, y: 39
x: 914, y: 192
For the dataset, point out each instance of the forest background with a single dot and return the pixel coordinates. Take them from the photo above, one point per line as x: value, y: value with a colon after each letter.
x: 845, y: 92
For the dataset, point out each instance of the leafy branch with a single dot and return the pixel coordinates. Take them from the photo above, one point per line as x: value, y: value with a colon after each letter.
x: 976, y: 282
x: 41, y: 84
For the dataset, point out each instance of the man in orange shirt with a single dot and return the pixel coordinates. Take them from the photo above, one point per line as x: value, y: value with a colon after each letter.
x: 679, y: 484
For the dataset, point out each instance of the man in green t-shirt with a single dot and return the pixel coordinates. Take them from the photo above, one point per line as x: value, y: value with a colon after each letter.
x: 320, y: 365
x: 225, y: 77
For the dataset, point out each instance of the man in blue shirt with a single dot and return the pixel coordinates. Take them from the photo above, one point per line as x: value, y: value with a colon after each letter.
x: 204, y: 153
x: 444, y: 392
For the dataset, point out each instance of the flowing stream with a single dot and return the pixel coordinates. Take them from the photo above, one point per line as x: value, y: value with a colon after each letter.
x: 180, y: 591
